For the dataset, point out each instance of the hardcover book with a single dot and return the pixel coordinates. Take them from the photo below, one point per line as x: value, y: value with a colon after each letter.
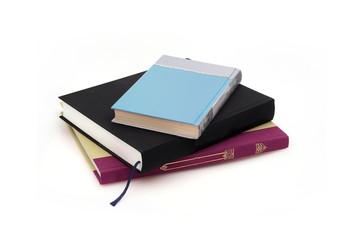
x: 264, y: 138
x: 89, y: 111
x: 177, y: 96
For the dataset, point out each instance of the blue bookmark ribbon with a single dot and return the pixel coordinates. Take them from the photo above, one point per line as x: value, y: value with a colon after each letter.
x: 113, y: 203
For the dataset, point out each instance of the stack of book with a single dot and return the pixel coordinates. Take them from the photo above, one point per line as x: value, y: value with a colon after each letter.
x: 177, y: 115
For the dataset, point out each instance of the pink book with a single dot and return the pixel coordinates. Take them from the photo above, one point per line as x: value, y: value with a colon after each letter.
x: 264, y: 138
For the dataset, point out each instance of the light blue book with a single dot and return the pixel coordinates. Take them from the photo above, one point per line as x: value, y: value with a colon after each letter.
x: 177, y: 96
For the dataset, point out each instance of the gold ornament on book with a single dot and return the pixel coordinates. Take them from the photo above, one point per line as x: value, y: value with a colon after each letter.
x: 229, y: 154
x: 215, y: 157
x: 260, y: 147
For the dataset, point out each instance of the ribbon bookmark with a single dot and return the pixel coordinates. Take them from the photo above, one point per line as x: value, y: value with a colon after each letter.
x: 113, y: 203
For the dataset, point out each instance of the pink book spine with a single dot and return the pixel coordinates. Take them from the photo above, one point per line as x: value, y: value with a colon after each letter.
x: 242, y: 145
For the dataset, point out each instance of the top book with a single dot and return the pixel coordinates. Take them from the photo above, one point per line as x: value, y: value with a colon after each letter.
x: 177, y: 96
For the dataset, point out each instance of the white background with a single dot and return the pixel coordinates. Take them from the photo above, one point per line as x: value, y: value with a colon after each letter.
x: 304, y: 54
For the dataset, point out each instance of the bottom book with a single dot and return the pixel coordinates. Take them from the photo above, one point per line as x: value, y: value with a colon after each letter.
x: 264, y: 138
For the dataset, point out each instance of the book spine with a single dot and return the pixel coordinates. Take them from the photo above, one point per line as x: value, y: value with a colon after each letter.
x: 242, y: 145
x: 234, y: 79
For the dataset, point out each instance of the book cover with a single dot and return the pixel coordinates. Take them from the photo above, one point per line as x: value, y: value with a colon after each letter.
x: 89, y: 111
x: 264, y: 138
x: 177, y: 96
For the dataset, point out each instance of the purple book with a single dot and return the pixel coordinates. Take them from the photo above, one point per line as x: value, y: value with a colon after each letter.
x: 264, y: 138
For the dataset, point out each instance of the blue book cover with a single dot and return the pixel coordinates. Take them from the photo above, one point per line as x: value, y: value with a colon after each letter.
x: 177, y: 96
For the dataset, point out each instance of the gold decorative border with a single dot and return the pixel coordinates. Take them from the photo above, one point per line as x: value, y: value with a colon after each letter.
x: 224, y: 155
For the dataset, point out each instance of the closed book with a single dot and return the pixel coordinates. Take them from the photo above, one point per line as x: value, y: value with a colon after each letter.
x: 89, y: 111
x: 264, y: 138
x: 177, y: 96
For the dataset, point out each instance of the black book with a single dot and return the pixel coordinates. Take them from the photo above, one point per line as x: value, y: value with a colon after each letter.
x: 89, y: 111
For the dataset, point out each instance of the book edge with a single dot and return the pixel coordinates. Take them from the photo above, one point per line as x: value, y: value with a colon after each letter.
x: 131, y: 156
